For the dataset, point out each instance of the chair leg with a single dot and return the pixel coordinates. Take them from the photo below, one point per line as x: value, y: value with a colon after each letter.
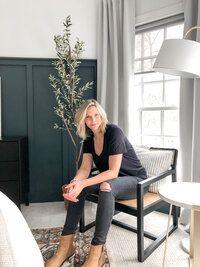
x: 84, y: 227
x: 140, y: 237
x: 82, y: 223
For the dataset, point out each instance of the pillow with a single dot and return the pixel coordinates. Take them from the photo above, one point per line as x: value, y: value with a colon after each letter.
x: 18, y: 247
x: 155, y: 162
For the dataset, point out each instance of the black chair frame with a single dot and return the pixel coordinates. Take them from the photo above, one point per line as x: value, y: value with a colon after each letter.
x: 140, y: 211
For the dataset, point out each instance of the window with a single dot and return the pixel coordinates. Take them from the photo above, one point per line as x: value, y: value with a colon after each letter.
x: 155, y: 98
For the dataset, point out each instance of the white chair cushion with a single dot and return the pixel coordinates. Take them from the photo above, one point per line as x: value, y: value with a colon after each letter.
x: 18, y: 247
x: 155, y: 162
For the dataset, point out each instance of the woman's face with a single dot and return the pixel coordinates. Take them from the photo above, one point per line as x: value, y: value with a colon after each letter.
x: 93, y: 119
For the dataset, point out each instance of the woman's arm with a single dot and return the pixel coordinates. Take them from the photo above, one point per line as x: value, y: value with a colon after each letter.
x: 81, y: 174
x: 85, y: 168
x: 112, y: 172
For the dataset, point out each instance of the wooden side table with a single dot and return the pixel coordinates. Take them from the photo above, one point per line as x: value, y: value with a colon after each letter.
x: 186, y: 195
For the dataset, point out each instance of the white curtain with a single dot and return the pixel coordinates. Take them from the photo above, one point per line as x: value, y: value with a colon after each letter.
x: 116, y: 59
x: 190, y: 106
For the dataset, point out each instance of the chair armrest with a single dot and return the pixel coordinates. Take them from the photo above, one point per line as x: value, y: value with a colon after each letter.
x: 153, y: 179
x: 145, y: 183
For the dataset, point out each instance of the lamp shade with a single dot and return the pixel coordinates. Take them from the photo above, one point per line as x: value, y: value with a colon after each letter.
x: 179, y: 57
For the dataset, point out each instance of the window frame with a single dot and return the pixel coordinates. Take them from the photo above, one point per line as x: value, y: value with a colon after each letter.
x: 160, y: 24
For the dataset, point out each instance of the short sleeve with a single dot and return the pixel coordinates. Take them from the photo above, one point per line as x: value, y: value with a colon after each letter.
x: 87, y: 146
x: 116, y: 143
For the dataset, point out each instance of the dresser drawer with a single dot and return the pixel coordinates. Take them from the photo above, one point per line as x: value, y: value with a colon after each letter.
x: 9, y: 151
x: 11, y: 189
x: 9, y: 170
x: 14, y: 174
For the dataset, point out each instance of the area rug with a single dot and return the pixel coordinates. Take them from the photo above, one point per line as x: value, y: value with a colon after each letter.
x: 48, y: 239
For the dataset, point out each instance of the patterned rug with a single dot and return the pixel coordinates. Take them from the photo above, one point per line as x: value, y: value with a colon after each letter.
x: 48, y: 239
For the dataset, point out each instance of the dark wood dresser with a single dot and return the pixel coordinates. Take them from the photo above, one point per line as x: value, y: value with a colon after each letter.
x: 14, y: 171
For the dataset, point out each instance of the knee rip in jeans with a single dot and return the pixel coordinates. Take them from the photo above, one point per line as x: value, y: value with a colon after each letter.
x: 105, y: 187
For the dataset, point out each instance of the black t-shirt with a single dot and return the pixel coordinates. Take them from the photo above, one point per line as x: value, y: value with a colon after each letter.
x: 115, y: 142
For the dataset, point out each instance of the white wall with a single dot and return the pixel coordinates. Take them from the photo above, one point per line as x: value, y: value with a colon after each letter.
x: 27, y: 27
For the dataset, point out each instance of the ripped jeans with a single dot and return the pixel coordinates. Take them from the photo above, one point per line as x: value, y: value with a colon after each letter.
x: 121, y: 188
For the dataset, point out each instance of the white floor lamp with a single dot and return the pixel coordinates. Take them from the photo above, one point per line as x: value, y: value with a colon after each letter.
x: 180, y: 57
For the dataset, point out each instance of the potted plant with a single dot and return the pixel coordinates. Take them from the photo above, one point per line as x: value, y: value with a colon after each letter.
x: 68, y: 93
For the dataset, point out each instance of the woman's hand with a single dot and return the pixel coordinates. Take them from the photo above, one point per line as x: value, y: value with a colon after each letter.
x: 73, y: 190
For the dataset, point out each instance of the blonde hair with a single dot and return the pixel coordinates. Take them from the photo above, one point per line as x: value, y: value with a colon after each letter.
x: 82, y: 130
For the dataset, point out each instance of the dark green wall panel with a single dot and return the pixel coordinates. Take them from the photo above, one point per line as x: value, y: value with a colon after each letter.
x: 27, y: 110
x: 46, y: 150
x: 14, y: 104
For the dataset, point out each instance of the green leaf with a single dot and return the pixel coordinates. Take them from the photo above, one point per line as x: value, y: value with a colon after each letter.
x: 65, y: 86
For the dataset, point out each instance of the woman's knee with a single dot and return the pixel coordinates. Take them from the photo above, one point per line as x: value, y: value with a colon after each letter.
x: 105, y: 186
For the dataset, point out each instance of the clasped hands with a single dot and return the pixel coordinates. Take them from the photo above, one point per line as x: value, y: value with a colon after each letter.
x: 72, y: 190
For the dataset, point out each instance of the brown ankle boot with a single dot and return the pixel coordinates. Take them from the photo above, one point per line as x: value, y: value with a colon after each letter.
x: 96, y: 257
x: 64, y: 252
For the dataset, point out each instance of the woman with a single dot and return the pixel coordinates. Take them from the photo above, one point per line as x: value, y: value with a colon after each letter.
x: 119, y: 173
